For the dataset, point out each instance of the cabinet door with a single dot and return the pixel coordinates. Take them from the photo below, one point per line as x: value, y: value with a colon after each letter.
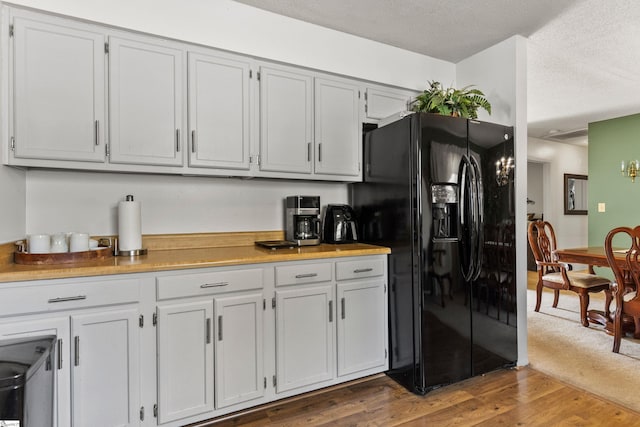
x: 338, y: 134
x: 285, y: 121
x: 58, y: 326
x: 238, y: 356
x: 146, y: 102
x: 105, y: 385
x: 304, y: 336
x: 218, y: 112
x: 59, y: 95
x: 362, y: 326
x: 185, y: 360
x: 383, y: 103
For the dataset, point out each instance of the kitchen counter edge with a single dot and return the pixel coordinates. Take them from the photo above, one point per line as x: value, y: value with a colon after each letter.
x: 181, y: 259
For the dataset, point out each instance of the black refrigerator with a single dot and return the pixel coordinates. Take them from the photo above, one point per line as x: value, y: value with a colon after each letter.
x: 439, y: 192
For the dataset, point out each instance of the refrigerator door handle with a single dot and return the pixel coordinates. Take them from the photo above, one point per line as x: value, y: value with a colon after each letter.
x: 465, y: 175
x: 478, y: 223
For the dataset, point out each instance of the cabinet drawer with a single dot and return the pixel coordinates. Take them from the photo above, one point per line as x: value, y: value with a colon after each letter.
x: 33, y: 298
x: 346, y: 270
x: 306, y: 273
x: 214, y: 282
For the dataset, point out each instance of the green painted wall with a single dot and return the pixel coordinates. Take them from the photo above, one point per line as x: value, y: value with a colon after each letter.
x: 610, y: 142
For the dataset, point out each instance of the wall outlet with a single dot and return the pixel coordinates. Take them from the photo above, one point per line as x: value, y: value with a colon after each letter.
x: 601, y: 207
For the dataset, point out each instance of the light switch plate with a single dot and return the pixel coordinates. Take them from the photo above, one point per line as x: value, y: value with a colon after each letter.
x: 601, y: 207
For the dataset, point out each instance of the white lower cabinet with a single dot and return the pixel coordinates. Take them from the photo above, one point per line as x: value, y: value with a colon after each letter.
x: 305, y: 336
x: 105, y: 376
x: 185, y: 360
x: 362, y: 326
x: 239, y: 349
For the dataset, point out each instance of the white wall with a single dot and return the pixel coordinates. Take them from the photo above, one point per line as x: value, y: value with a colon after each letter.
x: 87, y: 201
x: 559, y: 158
x: 13, y: 206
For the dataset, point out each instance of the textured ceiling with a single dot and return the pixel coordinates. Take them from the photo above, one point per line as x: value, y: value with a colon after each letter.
x: 583, y: 55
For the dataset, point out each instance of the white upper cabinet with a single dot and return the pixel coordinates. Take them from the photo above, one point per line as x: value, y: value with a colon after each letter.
x: 337, y: 127
x: 58, y: 89
x: 218, y: 111
x: 384, y: 102
x: 146, y: 78
x: 286, y: 114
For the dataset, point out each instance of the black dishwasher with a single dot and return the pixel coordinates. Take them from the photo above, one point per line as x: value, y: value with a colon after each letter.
x: 27, y: 381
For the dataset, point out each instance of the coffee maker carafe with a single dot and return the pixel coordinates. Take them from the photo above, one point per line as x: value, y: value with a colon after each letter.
x: 302, y: 220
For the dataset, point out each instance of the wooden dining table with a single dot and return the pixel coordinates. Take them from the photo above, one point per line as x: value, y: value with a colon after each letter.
x: 595, y: 256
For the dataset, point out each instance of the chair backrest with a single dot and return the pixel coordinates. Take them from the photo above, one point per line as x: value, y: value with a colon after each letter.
x: 629, y: 270
x: 542, y: 240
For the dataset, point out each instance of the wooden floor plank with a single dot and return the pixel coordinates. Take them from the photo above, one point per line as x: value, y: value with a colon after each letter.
x: 512, y: 397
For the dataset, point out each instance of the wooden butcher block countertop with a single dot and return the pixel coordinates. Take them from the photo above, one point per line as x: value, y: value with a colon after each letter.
x: 183, y: 251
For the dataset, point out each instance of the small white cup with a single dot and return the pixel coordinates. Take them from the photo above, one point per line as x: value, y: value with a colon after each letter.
x: 39, y: 243
x: 79, y: 242
x: 59, y: 243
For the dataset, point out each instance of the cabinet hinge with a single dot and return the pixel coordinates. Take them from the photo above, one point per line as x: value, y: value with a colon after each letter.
x: 11, y: 30
x: 155, y: 410
x: 264, y: 304
x: 250, y: 74
x: 275, y: 382
x: 258, y: 75
x: 265, y: 382
x: 366, y: 107
x: 154, y: 319
x: 273, y: 302
x: 359, y: 166
x: 365, y: 96
x: 106, y: 150
x: 142, y: 413
x: 13, y: 144
x: 359, y: 95
x: 385, y: 288
x: 106, y: 47
x: 141, y: 321
x: 385, y: 353
x: 258, y: 160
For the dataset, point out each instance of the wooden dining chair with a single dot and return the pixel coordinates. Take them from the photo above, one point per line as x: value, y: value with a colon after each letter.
x: 558, y: 276
x: 627, y: 280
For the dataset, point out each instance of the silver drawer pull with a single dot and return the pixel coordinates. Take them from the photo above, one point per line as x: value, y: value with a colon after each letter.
x: 214, y: 285
x: 306, y: 276
x: 362, y: 270
x: 64, y: 299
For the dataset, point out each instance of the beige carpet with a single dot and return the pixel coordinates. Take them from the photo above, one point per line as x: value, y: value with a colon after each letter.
x: 561, y: 347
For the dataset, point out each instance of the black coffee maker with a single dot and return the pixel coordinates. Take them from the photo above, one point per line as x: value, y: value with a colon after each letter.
x: 302, y: 220
x: 339, y: 225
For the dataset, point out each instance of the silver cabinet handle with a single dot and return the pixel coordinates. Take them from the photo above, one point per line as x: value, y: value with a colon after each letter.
x: 208, y: 331
x: 342, y: 307
x: 330, y: 311
x: 214, y: 285
x: 306, y: 276
x: 193, y: 141
x: 59, y: 353
x: 76, y: 350
x: 320, y: 152
x: 219, y: 328
x: 65, y: 299
x: 308, y: 152
x: 362, y: 270
x: 177, y: 140
x: 96, y: 129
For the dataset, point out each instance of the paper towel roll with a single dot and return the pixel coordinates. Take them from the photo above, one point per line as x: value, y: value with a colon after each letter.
x: 129, y: 225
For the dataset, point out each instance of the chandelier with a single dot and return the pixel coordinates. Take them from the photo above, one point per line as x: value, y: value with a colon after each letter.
x: 631, y: 169
x: 504, y: 166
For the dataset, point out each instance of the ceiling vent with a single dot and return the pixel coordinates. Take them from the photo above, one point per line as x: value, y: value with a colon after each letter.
x: 572, y: 134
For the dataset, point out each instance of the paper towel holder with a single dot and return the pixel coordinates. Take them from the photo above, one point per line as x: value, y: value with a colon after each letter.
x: 131, y: 253
x: 127, y: 253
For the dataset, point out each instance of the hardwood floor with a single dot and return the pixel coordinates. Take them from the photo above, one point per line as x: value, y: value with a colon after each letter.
x: 514, y: 397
